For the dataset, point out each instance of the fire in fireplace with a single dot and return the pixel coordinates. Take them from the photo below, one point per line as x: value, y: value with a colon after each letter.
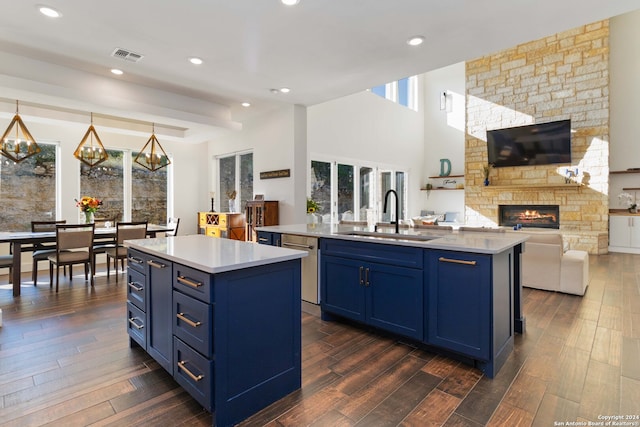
x: 544, y: 216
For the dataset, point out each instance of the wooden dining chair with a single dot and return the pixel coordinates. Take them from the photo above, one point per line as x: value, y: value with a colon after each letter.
x: 124, y: 231
x: 41, y: 251
x: 174, y: 232
x: 74, y: 245
x: 102, y: 243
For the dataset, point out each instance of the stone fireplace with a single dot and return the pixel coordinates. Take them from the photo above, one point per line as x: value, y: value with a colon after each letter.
x: 542, y: 216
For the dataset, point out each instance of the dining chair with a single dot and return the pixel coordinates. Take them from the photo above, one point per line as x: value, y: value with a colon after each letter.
x: 74, y: 245
x: 174, y: 232
x: 41, y: 251
x: 124, y: 231
x: 102, y: 243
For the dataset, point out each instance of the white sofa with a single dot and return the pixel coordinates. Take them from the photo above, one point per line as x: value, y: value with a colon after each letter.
x: 547, y: 265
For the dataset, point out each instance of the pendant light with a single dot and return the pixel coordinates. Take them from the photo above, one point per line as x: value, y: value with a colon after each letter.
x: 90, y: 151
x: 152, y: 156
x: 17, y: 143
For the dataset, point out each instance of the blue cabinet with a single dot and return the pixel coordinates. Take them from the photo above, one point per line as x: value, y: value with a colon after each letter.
x: 159, y: 318
x: 456, y: 301
x: 470, y: 305
x: 215, y: 333
x: 269, y: 238
x: 380, y: 294
x: 149, y: 287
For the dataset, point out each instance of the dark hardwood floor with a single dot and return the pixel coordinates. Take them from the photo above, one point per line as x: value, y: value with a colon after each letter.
x: 65, y: 361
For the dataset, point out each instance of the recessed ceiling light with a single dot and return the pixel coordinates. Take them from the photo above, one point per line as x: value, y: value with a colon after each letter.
x: 415, y: 41
x: 290, y: 2
x: 246, y: 104
x: 285, y: 90
x: 117, y: 72
x: 48, y: 11
x: 195, y: 60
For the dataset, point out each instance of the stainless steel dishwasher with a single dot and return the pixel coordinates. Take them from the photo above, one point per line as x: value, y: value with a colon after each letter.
x: 310, y: 290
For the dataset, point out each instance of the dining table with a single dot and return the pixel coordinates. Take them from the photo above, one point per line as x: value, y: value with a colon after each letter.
x: 18, y: 238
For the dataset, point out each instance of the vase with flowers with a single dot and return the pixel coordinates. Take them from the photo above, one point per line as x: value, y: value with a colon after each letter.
x: 312, y: 208
x: 88, y: 206
x: 629, y: 201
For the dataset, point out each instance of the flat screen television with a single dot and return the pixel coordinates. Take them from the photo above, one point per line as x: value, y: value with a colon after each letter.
x: 539, y: 144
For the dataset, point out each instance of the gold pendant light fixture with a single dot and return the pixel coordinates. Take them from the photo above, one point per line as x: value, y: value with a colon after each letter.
x: 17, y: 143
x: 152, y: 156
x: 90, y: 151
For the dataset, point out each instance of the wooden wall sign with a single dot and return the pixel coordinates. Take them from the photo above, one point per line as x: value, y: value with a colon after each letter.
x: 282, y: 173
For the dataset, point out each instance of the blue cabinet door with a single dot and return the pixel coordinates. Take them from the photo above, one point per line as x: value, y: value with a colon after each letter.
x: 160, y: 312
x: 394, y: 299
x: 342, y: 290
x: 459, y: 302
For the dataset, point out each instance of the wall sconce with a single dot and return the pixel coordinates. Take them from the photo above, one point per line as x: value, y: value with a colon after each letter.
x: 446, y: 101
x: 20, y: 145
x: 90, y: 151
x: 152, y: 156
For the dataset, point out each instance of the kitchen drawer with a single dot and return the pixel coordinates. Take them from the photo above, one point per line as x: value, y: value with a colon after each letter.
x: 194, y: 373
x: 135, y: 260
x: 193, y: 323
x: 193, y: 282
x: 136, y: 324
x: 401, y: 256
x: 136, y: 288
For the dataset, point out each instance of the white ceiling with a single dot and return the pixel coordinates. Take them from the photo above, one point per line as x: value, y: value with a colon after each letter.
x: 321, y: 49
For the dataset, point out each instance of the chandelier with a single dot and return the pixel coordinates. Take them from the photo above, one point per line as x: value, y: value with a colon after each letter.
x: 17, y: 143
x: 152, y: 156
x: 90, y: 151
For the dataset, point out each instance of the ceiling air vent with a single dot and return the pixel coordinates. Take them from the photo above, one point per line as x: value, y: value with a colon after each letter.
x: 127, y: 55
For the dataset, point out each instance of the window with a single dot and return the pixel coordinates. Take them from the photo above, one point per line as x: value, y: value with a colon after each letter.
x: 148, y: 193
x: 403, y: 92
x: 349, y: 192
x: 106, y: 182
x: 346, y: 192
x: 28, y: 189
x: 321, y: 187
x: 148, y: 198
x: 235, y: 178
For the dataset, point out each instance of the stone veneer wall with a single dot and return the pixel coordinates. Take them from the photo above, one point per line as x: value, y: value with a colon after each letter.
x: 564, y: 76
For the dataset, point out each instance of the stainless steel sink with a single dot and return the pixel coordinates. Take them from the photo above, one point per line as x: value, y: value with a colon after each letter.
x: 391, y: 236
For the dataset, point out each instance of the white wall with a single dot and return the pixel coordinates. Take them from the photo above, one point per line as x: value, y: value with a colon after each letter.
x: 624, y: 85
x: 444, y: 135
x: 278, y: 141
x: 369, y: 128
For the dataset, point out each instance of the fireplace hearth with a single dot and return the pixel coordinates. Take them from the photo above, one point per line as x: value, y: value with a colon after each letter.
x: 544, y: 216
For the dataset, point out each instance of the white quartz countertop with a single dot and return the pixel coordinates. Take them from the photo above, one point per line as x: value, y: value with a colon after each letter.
x: 474, y: 242
x: 213, y: 255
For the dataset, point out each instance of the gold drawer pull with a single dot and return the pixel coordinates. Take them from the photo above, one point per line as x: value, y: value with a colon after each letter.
x: 189, y: 282
x: 134, y: 260
x: 136, y: 288
x: 156, y: 264
x: 135, y: 325
x: 181, y: 365
x: 262, y: 239
x: 188, y: 321
x: 457, y: 261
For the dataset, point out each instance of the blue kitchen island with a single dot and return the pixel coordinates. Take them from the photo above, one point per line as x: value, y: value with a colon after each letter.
x: 454, y: 291
x: 223, y: 317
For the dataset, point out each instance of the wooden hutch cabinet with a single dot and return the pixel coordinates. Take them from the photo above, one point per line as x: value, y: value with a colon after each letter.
x: 219, y: 224
x: 260, y: 213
